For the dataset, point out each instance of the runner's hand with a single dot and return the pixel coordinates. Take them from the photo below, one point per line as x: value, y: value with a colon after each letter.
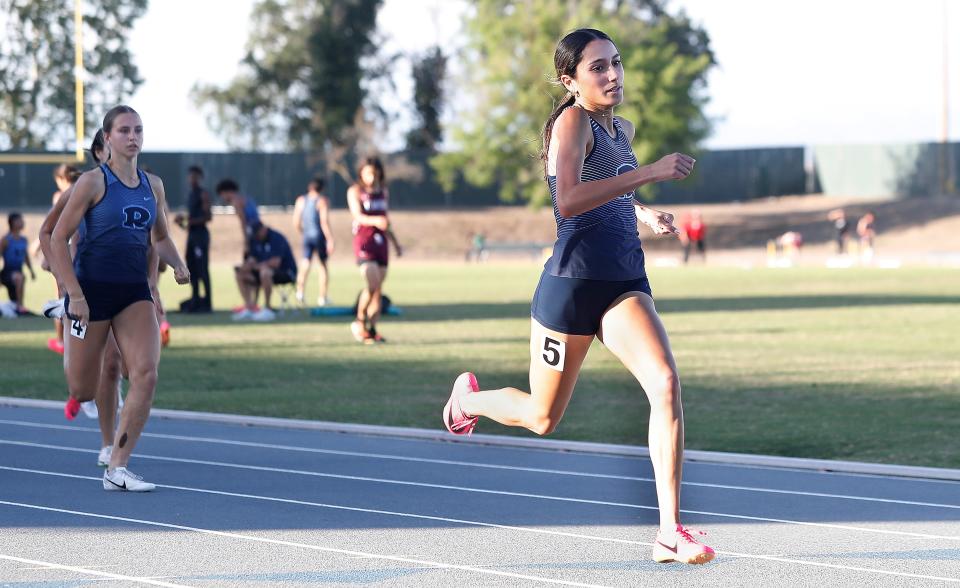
x: 661, y: 223
x: 675, y: 166
x: 181, y: 274
x: 78, y: 310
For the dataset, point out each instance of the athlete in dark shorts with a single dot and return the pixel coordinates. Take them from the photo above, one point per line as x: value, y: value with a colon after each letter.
x: 368, y: 200
x: 108, y: 397
x: 595, y: 284
x: 841, y: 226
x: 13, y: 250
x: 123, y: 210
x: 65, y: 176
x: 269, y: 264
x: 198, y: 242
x: 311, y: 217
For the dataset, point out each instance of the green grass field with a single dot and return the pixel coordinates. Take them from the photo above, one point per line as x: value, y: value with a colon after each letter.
x: 840, y: 364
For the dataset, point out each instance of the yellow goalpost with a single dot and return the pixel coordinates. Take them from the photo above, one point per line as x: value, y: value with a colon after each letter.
x: 78, y: 72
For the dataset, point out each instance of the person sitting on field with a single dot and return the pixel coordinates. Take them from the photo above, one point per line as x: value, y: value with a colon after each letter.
x: 790, y: 243
x: 13, y: 248
x: 270, y: 263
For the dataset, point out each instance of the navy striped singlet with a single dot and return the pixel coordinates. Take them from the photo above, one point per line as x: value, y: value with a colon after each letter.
x: 117, y: 236
x: 602, y: 243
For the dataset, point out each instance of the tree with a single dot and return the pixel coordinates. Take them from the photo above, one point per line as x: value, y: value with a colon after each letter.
x: 37, y: 106
x: 302, y: 80
x: 509, y: 56
x: 429, y: 70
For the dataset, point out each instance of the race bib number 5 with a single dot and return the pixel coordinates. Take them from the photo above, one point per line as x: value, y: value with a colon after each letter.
x: 552, y: 352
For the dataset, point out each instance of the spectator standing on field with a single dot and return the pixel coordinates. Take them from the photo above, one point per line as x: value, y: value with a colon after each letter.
x: 867, y: 232
x: 693, y: 233
x: 198, y: 242
x: 842, y: 227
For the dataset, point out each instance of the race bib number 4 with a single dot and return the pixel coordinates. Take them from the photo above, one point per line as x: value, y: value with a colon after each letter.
x: 78, y: 329
x: 552, y: 352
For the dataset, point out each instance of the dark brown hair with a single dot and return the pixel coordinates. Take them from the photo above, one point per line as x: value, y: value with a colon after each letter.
x: 566, y: 59
x: 97, y: 145
x: 114, y: 113
x: 317, y: 183
x: 377, y: 168
x: 227, y: 185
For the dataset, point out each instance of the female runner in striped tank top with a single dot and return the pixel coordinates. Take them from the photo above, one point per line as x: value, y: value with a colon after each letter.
x: 595, y: 284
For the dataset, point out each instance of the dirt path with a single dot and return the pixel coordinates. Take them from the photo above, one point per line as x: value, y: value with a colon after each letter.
x: 909, y: 227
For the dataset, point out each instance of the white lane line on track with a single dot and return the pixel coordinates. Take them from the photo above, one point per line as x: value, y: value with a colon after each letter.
x: 487, y: 491
x: 95, y: 567
x: 43, y: 568
x: 408, y: 560
x: 702, y: 459
x: 954, y: 580
x: 294, y: 448
x: 90, y: 572
x: 534, y: 530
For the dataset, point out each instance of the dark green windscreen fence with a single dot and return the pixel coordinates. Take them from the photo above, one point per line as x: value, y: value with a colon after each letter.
x: 888, y: 171
x: 725, y: 175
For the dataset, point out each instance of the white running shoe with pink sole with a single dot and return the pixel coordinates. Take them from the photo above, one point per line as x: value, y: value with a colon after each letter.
x: 682, y: 548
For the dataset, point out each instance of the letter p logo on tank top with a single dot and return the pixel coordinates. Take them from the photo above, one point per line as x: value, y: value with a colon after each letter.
x: 136, y: 217
x: 622, y: 169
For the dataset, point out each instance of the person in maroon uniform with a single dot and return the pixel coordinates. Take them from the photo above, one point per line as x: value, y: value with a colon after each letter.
x: 368, y: 199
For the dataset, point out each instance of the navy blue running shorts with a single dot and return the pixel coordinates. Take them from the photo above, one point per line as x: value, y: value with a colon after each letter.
x: 6, y: 279
x: 318, y: 246
x: 575, y: 306
x: 107, y: 299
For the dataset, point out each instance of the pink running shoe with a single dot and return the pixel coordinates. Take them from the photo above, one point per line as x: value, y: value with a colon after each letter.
x: 71, y: 409
x: 686, y: 549
x: 55, y: 345
x: 457, y: 421
x: 164, y: 334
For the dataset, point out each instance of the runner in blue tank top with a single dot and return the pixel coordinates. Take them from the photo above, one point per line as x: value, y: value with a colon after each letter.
x: 65, y: 176
x: 311, y: 217
x: 108, y: 397
x: 595, y: 283
x: 13, y: 249
x: 107, y: 288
